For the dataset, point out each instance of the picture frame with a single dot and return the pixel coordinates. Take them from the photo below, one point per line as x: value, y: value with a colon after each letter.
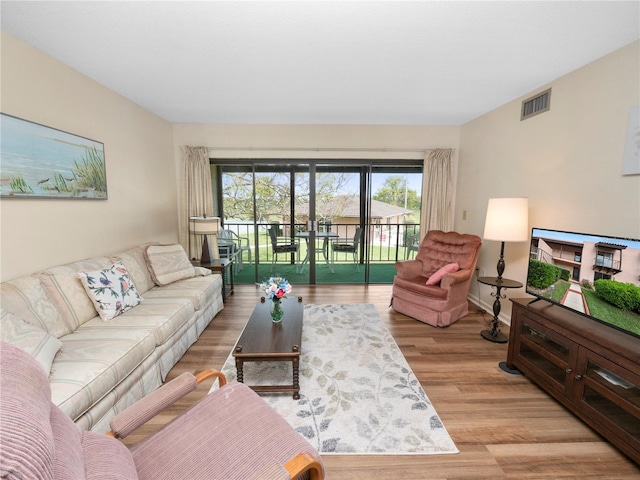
x: 37, y: 161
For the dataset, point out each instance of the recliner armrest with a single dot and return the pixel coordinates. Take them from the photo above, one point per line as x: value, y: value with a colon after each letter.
x: 148, y: 407
x: 409, y: 268
x: 455, y: 278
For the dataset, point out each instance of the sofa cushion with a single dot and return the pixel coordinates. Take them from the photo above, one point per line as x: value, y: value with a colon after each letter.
x: 439, y: 275
x: 88, y: 455
x: 41, y: 442
x: 200, y: 290
x: 136, y: 265
x: 111, y: 290
x: 69, y: 461
x: 65, y: 289
x: 107, y: 458
x: 162, y: 317
x: 27, y: 447
x: 26, y: 298
x: 33, y: 340
x: 92, y: 362
x: 168, y: 263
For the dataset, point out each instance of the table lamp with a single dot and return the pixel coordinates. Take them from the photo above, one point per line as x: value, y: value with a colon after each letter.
x: 206, y: 226
x: 507, y: 221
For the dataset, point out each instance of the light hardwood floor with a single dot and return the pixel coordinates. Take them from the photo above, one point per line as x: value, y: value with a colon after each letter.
x: 504, y: 426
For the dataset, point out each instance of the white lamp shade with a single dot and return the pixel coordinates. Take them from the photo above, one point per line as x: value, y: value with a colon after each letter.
x: 507, y: 220
x: 204, y: 225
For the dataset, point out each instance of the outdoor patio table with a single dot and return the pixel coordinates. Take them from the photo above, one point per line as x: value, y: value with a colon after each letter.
x: 326, y: 236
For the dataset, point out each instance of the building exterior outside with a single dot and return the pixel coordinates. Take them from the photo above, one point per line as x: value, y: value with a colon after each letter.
x: 588, y: 260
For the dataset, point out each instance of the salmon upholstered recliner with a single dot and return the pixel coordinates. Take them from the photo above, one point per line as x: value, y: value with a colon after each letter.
x: 230, y: 434
x: 433, y: 288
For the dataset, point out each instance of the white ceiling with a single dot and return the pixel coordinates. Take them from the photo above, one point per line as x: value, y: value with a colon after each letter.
x: 330, y: 62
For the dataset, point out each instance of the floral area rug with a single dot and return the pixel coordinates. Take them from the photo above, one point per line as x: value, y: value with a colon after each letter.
x: 358, y: 395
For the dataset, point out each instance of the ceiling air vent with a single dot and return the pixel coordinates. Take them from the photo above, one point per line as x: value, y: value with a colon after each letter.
x: 535, y: 105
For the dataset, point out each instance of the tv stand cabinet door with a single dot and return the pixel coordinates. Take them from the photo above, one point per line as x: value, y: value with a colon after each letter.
x: 608, y: 396
x: 542, y: 353
x: 602, y: 378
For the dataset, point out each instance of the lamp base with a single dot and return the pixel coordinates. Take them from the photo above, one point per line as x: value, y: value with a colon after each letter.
x: 500, y: 266
x: 495, y: 337
x: 205, y: 258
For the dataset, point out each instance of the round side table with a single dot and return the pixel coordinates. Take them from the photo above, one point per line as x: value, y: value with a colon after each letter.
x: 494, y: 334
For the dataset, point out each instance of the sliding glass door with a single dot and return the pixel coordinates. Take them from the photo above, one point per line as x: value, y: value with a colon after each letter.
x: 329, y: 221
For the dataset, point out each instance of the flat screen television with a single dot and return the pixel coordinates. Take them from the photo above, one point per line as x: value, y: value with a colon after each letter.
x: 597, y: 276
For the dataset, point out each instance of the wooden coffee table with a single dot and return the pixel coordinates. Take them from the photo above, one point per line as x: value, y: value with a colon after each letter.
x: 265, y: 341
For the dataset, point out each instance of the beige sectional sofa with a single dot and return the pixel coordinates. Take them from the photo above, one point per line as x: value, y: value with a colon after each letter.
x: 103, y: 366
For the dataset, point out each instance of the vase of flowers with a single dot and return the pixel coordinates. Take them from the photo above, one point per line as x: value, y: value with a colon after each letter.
x: 276, y: 288
x: 276, y: 311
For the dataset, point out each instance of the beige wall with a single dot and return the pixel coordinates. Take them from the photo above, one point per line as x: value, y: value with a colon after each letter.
x: 139, y: 156
x: 333, y: 137
x: 567, y: 161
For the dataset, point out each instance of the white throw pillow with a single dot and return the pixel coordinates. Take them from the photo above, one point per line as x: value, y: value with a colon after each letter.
x: 168, y: 264
x: 33, y: 340
x: 111, y: 290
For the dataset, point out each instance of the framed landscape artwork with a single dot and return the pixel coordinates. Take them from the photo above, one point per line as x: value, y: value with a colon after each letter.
x: 37, y: 161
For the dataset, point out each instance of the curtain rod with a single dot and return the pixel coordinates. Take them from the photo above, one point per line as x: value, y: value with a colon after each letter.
x: 308, y: 149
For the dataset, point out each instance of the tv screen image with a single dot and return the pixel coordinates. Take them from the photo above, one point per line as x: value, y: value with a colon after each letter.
x: 597, y: 276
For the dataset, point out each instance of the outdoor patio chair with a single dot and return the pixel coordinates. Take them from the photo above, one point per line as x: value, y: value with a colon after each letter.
x: 232, y: 246
x: 347, y: 246
x: 433, y: 288
x: 287, y: 247
x: 412, y: 246
x: 231, y: 434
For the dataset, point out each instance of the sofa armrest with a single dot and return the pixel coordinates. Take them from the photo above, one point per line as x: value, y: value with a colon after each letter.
x: 201, y: 271
x: 148, y: 407
x: 409, y: 268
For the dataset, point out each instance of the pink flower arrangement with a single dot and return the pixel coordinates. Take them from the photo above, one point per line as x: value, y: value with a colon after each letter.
x: 276, y: 287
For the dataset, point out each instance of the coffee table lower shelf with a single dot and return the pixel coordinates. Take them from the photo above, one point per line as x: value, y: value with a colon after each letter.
x: 262, y: 340
x: 293, y: 388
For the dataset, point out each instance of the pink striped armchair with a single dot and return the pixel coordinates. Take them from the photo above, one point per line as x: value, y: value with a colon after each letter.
x: 230, y: 434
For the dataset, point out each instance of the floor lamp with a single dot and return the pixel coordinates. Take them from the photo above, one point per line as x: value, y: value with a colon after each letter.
x: 206, y: 226
x: 507, y: 221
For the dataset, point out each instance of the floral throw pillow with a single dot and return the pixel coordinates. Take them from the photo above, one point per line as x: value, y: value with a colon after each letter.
x: 111, y: 290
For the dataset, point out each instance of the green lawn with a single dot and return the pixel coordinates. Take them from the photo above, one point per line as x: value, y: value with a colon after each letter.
x: 607, y: 313
x: 598, y: 308
x: 381, y: 269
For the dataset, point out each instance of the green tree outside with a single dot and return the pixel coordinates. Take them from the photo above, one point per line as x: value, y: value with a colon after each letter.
x: 394, y: 191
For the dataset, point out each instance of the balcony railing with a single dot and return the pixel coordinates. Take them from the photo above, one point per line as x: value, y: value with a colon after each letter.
x: 386, y: 243
x: 608, y: 264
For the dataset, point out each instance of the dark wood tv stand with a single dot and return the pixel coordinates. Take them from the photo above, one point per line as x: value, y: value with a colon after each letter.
x: 592, y: 369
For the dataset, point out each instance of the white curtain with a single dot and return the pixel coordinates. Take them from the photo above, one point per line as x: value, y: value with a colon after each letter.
x: 197, y: 195
x: 438, y: 190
